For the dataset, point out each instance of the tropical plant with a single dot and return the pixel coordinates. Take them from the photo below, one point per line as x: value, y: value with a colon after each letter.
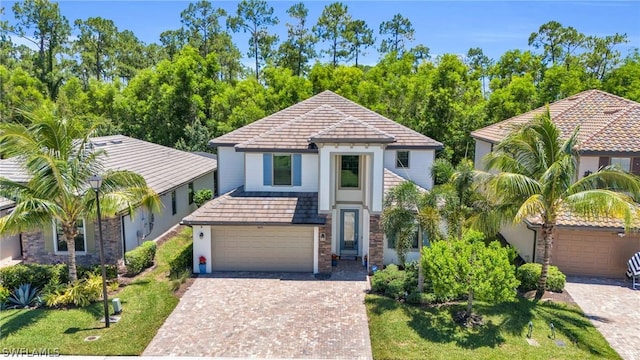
x: 24, y: 296
x: 202, y: 196
x: 537, y: 178
x: 59, y: 159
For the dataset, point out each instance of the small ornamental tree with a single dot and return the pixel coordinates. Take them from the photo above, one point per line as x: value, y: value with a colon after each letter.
x: 469, y: 266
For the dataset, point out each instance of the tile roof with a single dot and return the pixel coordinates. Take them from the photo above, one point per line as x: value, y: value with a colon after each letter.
x: 608, y: 123
x: 162, y: 167
x: 5, y: 203
x: 293, y: 127
x: 567, y: 219
x: 351, y: 130
x: 239, y: 207
x: 247, y: 207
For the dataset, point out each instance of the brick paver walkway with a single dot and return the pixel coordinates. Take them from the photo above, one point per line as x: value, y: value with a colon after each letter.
x: 614, y: 309
x: 265, y: 315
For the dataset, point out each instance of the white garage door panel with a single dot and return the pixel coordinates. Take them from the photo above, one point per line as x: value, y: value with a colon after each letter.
x: 265, y: 249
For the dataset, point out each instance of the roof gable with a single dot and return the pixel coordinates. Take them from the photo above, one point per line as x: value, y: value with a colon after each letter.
x: 293, y: 127
x: 607, y: 122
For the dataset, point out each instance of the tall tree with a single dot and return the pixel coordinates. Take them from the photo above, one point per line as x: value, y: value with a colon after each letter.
x: 96, y: 45
x: 173, y: 41
x: 625, y: 80
x: 202, y: 23
x: 548, y: 37
x: 331, y: 27
x: 537, y: 177
x: 479, y: 64
x: 60, y: 165
x: 602, y: 54
x: 398, y: 30
x: 129, y: 55
x: 254, y: 17
x: 298, y: 49
x: 358, y: 37
x: 40, y: 22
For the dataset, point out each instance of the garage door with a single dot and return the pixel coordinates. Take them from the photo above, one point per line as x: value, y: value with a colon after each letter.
x: 270, y: 248
x: 593, y: 253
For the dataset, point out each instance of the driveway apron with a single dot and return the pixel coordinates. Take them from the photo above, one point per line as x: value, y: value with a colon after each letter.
x: 613, y: 308
x: 267, y: 315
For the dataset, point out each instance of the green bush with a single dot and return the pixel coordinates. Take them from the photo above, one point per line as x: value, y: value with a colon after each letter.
x: 392, y: 282
x: 4, y: 294
x: 202, y: 196
x: 529, y: 274
x: 140, y: 258
x: 181, y: 262
x: 37, y: 275
x: 419, y: 298
x: 441, y: 171
x: 85, y: 271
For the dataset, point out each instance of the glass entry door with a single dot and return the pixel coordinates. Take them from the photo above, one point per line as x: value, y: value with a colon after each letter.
x: 349, y: 233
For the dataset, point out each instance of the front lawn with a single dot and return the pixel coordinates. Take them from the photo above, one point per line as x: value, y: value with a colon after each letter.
x: 146, y: 303
x: 401, y: 331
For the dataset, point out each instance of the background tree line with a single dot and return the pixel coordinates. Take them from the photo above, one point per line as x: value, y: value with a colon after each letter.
x: 192, y: 85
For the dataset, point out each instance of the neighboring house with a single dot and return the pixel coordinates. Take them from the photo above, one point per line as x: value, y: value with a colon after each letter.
x: 173, y: 174
x: 305, y: 183
x: 609, y: 135
x: 9, y: 245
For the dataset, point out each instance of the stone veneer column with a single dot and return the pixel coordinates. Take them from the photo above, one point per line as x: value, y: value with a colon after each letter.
x: 324, y: 247
x: 376, y: 248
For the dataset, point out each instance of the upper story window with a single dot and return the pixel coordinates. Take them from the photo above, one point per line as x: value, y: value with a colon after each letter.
x: 282, y: 170
x: 60, y: 245
x: 402, y: 159
x: 350, y: 171
x: 190, y: 193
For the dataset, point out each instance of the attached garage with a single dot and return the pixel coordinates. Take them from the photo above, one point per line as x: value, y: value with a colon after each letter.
x: 262, y: 248
x: 599, y: 253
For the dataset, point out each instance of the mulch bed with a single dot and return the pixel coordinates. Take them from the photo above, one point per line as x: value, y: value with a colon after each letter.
x: 561, y: 297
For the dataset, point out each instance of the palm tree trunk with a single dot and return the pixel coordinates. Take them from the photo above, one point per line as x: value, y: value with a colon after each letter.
x: 547, y: 232
x: 69, y: 232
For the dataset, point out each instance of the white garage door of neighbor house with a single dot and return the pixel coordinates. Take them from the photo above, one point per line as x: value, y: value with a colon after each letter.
x: 269, y: 248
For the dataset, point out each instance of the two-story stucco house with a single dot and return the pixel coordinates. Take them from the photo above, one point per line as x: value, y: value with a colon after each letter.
x: 173, y: 174
x: 305, y: 183
x: 609, y: 134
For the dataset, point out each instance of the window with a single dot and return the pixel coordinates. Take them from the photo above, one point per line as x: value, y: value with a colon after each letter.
x: 621, y: 163
x: 61, y: 245
x: 174, y: 205
x: 190, y: 193
x: 391, y: 243
x: 402, y: 159
x: 282, y: 170
x: 350, y: 171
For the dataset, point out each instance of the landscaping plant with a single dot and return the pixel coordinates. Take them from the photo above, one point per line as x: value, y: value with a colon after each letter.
x: 24, y: 296
x: 529, y: 276
x: 140, y: 258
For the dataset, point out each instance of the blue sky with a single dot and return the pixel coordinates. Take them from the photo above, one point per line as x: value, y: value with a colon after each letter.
x: 443, y: 26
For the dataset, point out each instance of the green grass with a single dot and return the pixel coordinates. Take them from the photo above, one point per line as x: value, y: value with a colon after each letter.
x: 400, y: 331
x: 146, y: 303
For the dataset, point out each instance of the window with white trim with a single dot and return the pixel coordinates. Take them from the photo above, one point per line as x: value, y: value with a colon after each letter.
x: 402, y: 159
x: 60, y: 245
x: 623, y: 163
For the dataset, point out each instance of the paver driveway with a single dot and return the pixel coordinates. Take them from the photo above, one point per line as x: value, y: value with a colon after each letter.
x: 268, y: 316
x: 613, y: 308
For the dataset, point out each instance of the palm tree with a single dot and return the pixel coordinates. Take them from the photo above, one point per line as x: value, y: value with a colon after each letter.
x: 406, y: 209
x: 537, y: 177
x: 57, y: 155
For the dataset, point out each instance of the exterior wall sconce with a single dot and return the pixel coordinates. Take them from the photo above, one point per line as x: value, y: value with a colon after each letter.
x: 201, y: 235
x: 621, y: 234
x: 587, y: 173
x: 322, y: 237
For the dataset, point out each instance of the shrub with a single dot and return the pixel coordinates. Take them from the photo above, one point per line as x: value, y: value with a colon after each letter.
x: 390, y: 282
x: 202, y: 196
x: 85, y: 271
x: 441, y: 171
x: 421, y: 298
x: 24, y: 296
x: 37, y: 275
x: 52, y: 294
x: 182, y: 261
x: 140, y: 258
x: 529, y: 274
x: 179, y: 279
x: 4, y: 294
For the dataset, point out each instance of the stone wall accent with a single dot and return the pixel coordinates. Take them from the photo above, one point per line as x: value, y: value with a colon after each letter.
x: 324, y: 247
x: 376, y: 247
x: 35, y: 251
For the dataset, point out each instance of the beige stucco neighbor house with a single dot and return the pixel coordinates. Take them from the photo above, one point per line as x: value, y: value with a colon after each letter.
x: 173, y: 174
x: 609, y: 134
x: 305, y: 183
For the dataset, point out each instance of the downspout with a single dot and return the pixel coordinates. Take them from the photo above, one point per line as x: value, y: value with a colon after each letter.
x: 535, y: 239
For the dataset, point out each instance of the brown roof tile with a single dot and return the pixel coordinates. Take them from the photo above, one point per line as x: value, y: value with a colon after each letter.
x: 292, y: 127
x: 351, y: 130
x: 568, y: 219
x: 607, y: 122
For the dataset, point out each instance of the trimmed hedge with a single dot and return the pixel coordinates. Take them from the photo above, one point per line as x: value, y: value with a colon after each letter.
x: 393, y: 282
x: 140, y: 258
x: 529, y: 274
x: 181, y: 262
x: 37, y: 275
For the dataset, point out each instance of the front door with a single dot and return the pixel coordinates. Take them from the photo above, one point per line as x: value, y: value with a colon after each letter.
x: 349, y: 232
